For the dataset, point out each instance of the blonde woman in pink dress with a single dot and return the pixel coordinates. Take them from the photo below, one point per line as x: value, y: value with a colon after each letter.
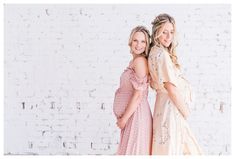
x: 171, y: 132
x: 131, y: 106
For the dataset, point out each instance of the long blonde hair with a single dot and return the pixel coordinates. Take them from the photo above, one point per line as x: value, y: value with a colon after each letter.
x: 158, y: 23
x: 147, y: 37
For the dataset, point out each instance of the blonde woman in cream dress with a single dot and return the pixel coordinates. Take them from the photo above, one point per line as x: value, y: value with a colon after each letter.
x: 171, y: 132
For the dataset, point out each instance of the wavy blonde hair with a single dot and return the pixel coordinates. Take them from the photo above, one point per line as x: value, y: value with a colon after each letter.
x: 147, y: 37
x: 158, y: 23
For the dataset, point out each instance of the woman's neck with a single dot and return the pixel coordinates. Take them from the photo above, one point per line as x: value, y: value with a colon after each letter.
x: 134, y: 56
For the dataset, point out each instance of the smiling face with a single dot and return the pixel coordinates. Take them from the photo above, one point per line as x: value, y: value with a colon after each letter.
x: 138, y: 43
x: 166, y: 34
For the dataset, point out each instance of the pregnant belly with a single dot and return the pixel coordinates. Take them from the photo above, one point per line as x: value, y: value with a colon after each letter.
x: 186, y: 93
x: 120, y: 103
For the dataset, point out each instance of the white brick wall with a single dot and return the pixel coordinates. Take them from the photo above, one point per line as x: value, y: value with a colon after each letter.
x: 63, y: 63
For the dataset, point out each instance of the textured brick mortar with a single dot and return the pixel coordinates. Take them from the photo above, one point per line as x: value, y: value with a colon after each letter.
x: 63, y: 63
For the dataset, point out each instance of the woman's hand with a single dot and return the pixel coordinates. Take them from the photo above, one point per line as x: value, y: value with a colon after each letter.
x: 185, y: 113
x: 121, y: 123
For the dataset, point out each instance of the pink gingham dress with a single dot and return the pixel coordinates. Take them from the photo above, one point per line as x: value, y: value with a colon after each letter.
x: 136, y: 137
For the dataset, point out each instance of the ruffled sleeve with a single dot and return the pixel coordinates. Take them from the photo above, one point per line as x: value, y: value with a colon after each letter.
x: 139, y: 83
x: 161, y: 68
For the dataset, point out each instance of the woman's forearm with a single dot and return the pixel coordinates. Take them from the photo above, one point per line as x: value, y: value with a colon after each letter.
x: 132, y: 105
x: 177, y: 99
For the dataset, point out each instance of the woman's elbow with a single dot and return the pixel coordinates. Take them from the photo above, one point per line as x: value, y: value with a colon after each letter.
x: 171, y: 89
x: 138, y: 95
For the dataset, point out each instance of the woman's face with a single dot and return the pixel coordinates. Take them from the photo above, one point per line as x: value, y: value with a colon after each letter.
x: 167, y: 34
x: 138, y: 44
